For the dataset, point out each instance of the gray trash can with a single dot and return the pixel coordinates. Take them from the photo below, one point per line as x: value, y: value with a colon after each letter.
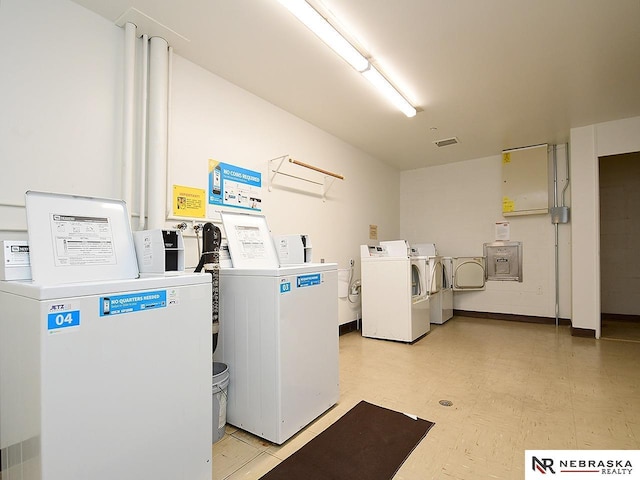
x: 220, y: 383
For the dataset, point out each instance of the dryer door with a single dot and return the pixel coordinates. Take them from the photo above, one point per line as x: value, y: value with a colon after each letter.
x: 447, y: 272
x: 435, y: 275
x: 468, y: 273
x: 417, y: 285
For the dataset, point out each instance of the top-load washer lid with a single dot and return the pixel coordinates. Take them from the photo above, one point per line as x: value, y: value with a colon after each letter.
x: 78, y: 239
x: 249, y: 240
x: 397, y: 248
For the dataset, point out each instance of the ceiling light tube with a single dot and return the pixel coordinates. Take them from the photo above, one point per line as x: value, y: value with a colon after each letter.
x: 329, y: 35
x: 391, y: 94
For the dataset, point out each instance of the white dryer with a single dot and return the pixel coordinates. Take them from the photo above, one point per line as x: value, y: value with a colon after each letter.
x: 394, y: 301
x: 434, y: 284
x: 447, y: 288
x: 434, y: 278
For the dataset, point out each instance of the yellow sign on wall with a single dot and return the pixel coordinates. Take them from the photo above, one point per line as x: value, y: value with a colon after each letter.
x: 189, y: 202
x: 508, y: 205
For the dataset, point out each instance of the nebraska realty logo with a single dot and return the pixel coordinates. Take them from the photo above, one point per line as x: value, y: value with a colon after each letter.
x: 584, y: 464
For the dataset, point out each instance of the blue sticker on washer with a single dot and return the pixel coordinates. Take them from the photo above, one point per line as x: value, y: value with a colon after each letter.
x: 285, y: 287
x: 308, y: 280
x: 63, y: 319
x: 133, y: 302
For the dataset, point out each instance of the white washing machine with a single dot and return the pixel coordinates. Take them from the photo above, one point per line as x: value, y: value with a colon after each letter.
x: 278, y: 334
x: 395, y: 305
x: 107, y: 376
x: 96, y: 371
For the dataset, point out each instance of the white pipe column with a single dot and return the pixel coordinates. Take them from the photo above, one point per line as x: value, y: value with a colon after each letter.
x: 157, y: 131
x: 142, y: 133
x: 128, y: 114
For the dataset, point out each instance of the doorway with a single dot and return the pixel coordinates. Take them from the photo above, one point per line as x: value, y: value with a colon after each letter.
x: 619, y: 246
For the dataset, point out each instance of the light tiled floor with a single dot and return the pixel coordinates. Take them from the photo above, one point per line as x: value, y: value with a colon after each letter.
x: 514, y: 386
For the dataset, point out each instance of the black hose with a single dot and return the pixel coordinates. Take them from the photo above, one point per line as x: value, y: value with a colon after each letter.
x: 211, y: 238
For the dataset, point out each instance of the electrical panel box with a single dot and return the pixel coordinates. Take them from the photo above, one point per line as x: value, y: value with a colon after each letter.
x: 504, y: 261
x: 525, y: 181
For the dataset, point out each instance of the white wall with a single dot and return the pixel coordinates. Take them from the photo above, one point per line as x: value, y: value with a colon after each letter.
x: 60, y: 98
x: 587, y: 145
x: 456, y: 207
x: 211, y: 118
x: 61, y: 103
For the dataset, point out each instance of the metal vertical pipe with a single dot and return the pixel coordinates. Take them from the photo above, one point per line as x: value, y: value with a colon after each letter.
x: 556, y: 226
x: 157, y: 132
x: 557, y: 277
x: 128, y: 113
x: 566, y: 185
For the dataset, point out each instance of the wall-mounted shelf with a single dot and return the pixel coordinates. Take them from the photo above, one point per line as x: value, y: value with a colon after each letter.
x: 276, y: 165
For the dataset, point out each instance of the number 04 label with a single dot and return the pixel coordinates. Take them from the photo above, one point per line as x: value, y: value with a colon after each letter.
x: 63, y: 319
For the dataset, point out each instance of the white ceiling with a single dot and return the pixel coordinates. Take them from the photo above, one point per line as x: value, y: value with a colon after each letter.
x: 497, y: 74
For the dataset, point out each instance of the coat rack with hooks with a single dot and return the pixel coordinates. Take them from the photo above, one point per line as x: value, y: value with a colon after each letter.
x: 325, y: 185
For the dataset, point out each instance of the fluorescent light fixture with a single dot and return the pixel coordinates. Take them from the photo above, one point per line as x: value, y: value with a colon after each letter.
x: 390, y: 93
x: 329, y: 35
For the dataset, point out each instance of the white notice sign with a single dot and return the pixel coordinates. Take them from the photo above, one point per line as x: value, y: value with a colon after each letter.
x: 503, y: 231
x: 82, y: 240
x: 251, y: 241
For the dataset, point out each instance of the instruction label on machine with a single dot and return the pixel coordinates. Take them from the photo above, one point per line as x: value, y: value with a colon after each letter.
x: 301, y: 281
x: 308, y: 280
x: 82, y: 240
x: 134, y: 302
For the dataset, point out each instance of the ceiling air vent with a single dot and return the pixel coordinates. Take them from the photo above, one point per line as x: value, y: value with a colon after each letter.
x: 446, y: 142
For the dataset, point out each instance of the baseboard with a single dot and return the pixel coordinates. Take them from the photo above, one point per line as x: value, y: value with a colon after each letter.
x: 351, y: 326
x: 575, y: 332
x: 620, y: 317
x: 583, y: 332
x: 512, y: 317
